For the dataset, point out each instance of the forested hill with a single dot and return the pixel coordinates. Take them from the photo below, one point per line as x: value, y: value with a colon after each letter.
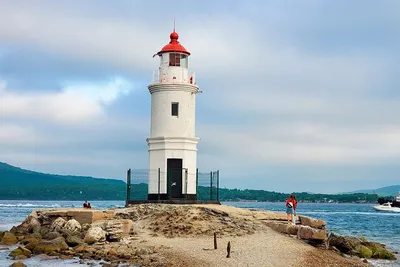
x: 17, y: 183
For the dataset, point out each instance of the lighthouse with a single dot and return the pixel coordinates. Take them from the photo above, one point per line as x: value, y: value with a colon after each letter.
x: 172, y: 143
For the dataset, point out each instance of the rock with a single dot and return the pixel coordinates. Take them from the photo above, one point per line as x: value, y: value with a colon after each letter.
x: 345, y: 245
x: 57, y: 225
x: 73, y: 241
x: 84, y: 249
x: 18, y: 264
x: 31, y: 238
x: 1, y: 234
x: 383, y: 253
x: 85, y: 227
x: 360, y: 247
x: 8, y: 239
x: 314, y: 223
x: 48, y: 246
x: 116, y: 229
x: 20, y: 251
x: 111, y: 252
x: 20, y: 257
x: 365, y: 252
x: 72, y: 227
x: 30, y: 225
x: 95, y: 234
x: 33, y: 224
x: 284, y: 228
x: 51, y: 235
x: 308, y: 233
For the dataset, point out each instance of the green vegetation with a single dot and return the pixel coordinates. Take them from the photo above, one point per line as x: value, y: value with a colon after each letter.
x: 261, y: 195
x: 18, y: 183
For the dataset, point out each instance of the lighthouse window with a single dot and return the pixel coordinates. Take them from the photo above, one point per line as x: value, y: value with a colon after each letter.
x: 174, y: 109
x: 174, y: 59
x: 184, y: 61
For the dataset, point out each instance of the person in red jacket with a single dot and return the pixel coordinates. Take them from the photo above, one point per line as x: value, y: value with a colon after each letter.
x: 291, y: 205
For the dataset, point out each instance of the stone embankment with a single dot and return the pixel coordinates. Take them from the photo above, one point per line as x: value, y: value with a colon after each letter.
x: 126, y: 235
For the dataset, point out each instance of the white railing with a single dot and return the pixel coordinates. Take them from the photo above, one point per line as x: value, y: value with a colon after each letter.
x: 157, y: 79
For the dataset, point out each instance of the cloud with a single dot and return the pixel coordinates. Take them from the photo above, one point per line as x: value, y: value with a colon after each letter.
x: 306, y: 143
x: 307, y: 92
x: 76, y: 102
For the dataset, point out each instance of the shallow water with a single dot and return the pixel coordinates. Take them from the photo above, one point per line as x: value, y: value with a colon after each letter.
x: 344, y: 219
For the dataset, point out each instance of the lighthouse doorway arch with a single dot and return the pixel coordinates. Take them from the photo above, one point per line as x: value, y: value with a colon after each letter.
x: 174, y: 178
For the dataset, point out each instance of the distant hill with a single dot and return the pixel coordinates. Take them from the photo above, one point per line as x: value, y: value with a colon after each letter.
x: 386, y: 191
x: 17, y: 183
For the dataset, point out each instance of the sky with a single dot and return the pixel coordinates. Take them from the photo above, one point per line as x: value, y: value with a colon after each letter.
x: 296, y: 95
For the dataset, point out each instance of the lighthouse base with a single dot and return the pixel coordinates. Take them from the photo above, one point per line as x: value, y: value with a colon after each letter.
x: 171, y: 201
x: 167, y: 197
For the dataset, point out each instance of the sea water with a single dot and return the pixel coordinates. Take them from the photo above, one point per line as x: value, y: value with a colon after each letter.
x: 344, y: 219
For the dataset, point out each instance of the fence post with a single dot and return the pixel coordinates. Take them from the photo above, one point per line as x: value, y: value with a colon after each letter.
x: 211, y: 177
x: 186, y: 182
x: 159, y: 180
x: 128, y: 185
x: 217, y: 185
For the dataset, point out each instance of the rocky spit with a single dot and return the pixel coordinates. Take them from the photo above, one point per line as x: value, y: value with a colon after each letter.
x: 131, y: 236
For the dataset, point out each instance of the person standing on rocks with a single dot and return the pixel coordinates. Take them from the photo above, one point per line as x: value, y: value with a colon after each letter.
x: 291, y: 204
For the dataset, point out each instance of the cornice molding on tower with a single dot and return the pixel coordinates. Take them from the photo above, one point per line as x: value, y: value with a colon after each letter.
x: 162, y: 87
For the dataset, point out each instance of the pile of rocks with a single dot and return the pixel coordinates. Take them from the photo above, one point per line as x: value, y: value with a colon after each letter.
x: 314, y: 232
x: 108, y: 240
x: 359, y: 247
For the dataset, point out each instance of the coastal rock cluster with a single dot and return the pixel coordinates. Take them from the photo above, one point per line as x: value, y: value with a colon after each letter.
x: 122, y: 235
x: 109, y: 240
x: 360, y: 247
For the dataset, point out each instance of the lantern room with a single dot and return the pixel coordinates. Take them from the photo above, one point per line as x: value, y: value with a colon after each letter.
x: 174, y: 63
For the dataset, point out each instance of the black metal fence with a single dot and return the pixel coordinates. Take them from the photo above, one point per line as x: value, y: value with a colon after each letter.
x: 207, y: 184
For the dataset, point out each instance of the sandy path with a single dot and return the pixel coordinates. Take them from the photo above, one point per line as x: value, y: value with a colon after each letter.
x: 261, y: 249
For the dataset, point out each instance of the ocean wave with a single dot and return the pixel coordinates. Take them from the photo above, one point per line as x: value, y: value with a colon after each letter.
x: 30, y: 205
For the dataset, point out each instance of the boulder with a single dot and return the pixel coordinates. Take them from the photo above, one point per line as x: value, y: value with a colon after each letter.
x: 30, y: 225
x: 57, y: 225
x: 116, y: 229
x: 314, y: 223
x: 8, y: 239
x: 30, y: 238
x: 308, y: 233
x: 84, y: 249
x: 31, y: 241
x: 95, y: 234
x: 360, y: 247
x: 49, y: 246
x: 72, y: 227
x: 365, y: 252
x: 345, y: 244
x: 51, y: 235
x: 18, y: 264
x: 20, y: 251
x: 73, y: 240
x: 284, y: 228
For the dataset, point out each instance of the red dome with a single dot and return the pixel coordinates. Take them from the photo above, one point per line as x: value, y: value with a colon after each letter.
x: 174, y: 45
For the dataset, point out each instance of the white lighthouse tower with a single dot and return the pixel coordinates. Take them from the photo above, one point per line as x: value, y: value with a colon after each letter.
x: 172, y: 143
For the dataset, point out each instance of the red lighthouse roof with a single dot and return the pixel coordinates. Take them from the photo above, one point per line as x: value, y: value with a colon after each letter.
x: 174, y: 45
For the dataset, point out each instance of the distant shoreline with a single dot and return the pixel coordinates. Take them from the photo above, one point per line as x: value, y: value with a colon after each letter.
x: 236, y: 201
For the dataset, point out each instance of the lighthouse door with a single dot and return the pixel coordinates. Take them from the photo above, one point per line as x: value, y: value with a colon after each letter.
x: 174, y: 178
